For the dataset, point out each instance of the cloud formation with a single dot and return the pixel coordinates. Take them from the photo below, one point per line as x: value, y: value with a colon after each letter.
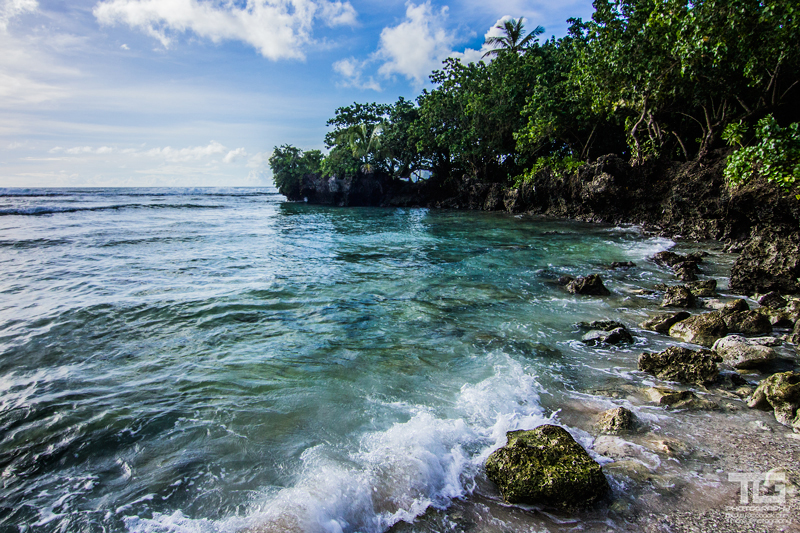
x: 278, y: 29
x: 352, y: 72
x: 417, y: 45
x: 11, y: 8
x: 167, y: 153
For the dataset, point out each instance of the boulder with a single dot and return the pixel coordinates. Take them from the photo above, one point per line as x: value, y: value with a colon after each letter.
x: 773, y: 300
x: 616, y: 421
x: 703, y: 289
x: 667, y: 258
x: 681, y: 364
x: 770, y: 261
x: 678, y: 296
x: 590, y: 285
x: 546, y: 466
x: 734, y: 306
x: 702, y: 329
x: 781, y: 393
x: 676, y: 399
x: 779, y: 318
x: 743, y: 353
x: 747, y: 323
x: 795, y: 337
x: 615, y: 336
x: 662, y: 323
x: 605, y: 325
x: 686, y: 270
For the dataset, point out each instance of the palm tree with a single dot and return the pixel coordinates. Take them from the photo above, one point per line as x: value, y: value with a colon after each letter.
x: 514, y: 39
x: 363, y: 143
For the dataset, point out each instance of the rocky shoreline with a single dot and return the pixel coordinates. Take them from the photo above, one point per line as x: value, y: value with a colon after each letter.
x: 732, y: 361
x: 727, y: 358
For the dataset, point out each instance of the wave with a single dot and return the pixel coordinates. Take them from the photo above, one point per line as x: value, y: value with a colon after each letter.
x: 394, y: 475
x: 43, y: 210
x: 138, y: 192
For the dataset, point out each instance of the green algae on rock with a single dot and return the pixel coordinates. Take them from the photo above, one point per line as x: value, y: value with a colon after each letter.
x: 616, y: 421
x: 781, y: 393
x: 702, y: 329
x: 546, y: 466
x: 681, y: 364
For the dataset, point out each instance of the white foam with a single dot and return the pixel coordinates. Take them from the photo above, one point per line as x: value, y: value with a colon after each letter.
x: 392, y: 475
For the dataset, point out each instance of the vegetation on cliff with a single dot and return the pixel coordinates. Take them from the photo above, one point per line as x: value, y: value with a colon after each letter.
x: 643, y: 79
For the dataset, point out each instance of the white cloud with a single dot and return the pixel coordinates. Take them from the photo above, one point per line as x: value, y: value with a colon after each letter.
x: 83, y: 150
x: 125, y: 47
x: 416, y: 46
x: 187, y: 154
x: 278, y: 29
x: 233, y: 155
x: 470, y: 55
x: 352, y: 71
x: 12, y: 8
x: 338, y: 14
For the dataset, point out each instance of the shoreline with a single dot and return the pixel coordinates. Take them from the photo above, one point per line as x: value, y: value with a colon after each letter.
x: 672, y: 473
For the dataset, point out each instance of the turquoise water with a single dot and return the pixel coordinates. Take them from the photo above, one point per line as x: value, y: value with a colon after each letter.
x: 220, y: 360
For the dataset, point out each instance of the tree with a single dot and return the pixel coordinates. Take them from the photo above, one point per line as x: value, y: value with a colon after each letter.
x: 514, y: 39
x: 289, y: 164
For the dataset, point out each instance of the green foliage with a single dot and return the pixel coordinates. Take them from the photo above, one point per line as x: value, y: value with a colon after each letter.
x: 378, y: 135
x: 340, y: 162
x: 775, y: 155
x: 642, y: 79
x: 558, y: 165
x: 289, y: 164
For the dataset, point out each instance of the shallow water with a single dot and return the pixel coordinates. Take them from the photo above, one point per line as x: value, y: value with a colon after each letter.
x: 219, y: 360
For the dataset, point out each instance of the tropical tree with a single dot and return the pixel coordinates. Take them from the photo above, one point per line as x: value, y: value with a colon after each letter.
x: 289, y: 164
x: 514, y: 39
x: 364, y: 141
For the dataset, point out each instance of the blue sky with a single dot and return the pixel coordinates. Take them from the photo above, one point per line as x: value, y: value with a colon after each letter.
x: 197, y: 92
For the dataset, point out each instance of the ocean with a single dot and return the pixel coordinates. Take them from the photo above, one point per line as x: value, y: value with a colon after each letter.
x: 198, y: 360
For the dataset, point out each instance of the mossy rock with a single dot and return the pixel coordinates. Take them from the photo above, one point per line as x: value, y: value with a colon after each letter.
x: 616, y: 421
x: 681, y: 364
x: 781, y: 393
x: 702, y: 329
x: 546, y: 466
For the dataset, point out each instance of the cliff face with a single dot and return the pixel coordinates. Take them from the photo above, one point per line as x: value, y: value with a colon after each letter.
x: 688, y: 200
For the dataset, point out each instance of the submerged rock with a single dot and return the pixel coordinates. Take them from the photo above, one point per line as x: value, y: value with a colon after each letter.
x: 702, y: 329
x: 615, y: 336
x: 681, y: 364
x: 667, y: 258
x: 622, y: 265
x: 676, y: 399
x: 743, y: 353
x: 605, y: 325
x: 589, y: 285
x: 781, y: 393
x: 662, y: 323
x: 678, y: 296
x: 616, y: 421
x: 747, y: 323
x: 546, y: 466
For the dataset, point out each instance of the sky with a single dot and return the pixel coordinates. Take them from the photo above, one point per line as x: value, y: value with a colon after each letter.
x: 196, y: 93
